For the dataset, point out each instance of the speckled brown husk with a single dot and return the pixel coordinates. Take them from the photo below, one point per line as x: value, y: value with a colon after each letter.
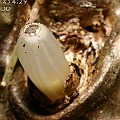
x: 99, y: 71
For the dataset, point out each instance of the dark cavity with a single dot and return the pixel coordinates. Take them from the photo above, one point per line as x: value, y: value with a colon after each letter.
x: 31, y: 29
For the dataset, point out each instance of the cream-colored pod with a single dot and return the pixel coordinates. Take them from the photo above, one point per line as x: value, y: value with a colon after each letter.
x: 43, y: 60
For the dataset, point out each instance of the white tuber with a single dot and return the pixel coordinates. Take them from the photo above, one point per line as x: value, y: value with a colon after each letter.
x: 43, y: 60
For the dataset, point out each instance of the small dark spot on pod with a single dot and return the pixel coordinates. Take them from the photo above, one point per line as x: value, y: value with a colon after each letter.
x: 25, y: 52
x: 38, y: 46
x: 23, y: 45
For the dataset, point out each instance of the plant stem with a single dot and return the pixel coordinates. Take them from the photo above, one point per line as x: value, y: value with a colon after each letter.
x: 9, y: 69
x: 35, y: 9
